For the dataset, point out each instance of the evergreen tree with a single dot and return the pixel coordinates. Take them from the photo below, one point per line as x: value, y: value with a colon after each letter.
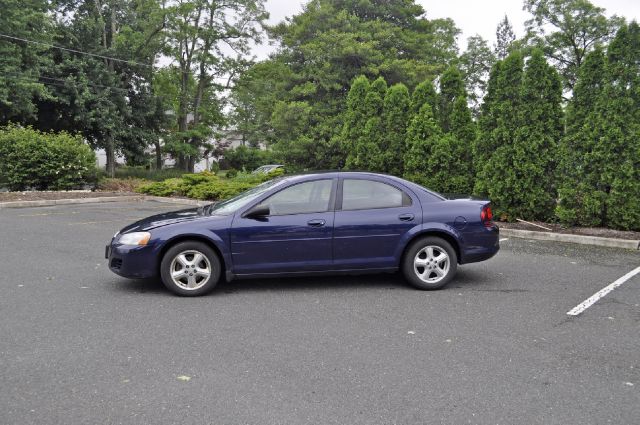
x: 465, y: 132
x: 380, y: 87
x: 451, y: 88
x: 422, y: 134
x: 367, y: 154
x: 355, y: 118
x: 580, y: 201
x: 488, y: 120
x: 495, y: 173
x: 536, y: 143
x: 504, y: 38
x: 395, y: 113
x: 423, y: 93
x: 619, y: 142
x: 604, y: 141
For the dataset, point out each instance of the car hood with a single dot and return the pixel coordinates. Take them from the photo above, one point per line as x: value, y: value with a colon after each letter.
x: 165, y: 219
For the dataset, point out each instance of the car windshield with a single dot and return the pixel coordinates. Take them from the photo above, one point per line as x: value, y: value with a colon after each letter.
x: 233, y: 204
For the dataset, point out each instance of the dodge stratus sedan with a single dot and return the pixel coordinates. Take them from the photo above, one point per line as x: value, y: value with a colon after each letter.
x: 312, y: 224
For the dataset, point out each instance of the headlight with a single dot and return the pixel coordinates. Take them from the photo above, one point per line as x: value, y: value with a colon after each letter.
x: 135, y: 238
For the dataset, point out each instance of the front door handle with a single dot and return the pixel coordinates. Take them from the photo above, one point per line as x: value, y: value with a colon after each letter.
x: 318, y: 222
x: 406, y: 217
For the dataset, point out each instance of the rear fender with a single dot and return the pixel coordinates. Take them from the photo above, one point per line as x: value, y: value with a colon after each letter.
x: 425, y: 229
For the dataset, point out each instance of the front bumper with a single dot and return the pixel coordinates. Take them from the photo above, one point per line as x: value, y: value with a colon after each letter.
x: 134, y: 262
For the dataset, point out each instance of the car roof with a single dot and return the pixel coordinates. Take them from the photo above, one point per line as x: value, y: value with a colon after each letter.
x: 335, y: 174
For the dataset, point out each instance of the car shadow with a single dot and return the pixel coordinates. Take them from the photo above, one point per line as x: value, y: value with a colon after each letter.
x: 315, y: 283
x: 140, y: 286
x: 387, y: 281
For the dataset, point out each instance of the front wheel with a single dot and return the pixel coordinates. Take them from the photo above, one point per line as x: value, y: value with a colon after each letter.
x: 430, y: 263
x: 190, y: 268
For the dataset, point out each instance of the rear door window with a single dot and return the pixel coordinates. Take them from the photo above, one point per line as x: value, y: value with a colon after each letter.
x: 367, y: 194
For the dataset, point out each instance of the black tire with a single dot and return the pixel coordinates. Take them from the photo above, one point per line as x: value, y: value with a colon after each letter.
x: 431, y: 278
x: 180, y: 285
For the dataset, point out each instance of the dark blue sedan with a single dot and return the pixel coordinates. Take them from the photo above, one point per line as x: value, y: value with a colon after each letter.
x: 325, y: 223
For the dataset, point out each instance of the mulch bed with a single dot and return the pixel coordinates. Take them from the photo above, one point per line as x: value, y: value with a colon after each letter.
x: 587, y: 231
x: 46, y: 195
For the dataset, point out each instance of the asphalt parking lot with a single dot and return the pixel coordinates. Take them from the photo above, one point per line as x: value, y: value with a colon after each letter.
x: 80, y: 345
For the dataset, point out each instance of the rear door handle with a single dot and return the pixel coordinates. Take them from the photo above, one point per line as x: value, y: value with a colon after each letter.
x: 406, y: 217
x: 316, y: 222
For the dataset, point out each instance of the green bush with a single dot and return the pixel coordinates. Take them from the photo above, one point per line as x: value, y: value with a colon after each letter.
x: 218, y: 190
x: 169, y: 187
x: 206, y: 185
x: 232, y: 173
x: 30, y: 159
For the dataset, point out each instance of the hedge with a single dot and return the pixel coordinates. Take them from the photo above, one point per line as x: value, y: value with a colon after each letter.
x: 30, y: 159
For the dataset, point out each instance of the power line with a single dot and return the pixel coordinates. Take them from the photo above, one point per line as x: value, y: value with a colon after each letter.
x: 56, y: 82
x: 80, y: 52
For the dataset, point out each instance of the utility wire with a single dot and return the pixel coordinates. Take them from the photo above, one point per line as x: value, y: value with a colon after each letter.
x: 80, y: 52
x: 57, y: 82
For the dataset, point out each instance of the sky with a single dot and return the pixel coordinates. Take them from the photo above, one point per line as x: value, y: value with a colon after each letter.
x: 471, y: 16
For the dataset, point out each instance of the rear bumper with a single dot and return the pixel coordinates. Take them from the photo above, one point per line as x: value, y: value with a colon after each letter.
x: 134, y: 262
x: 482, y: 245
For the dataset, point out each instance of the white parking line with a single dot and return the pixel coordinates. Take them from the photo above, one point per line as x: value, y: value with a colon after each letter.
x: 504, y: 239
x: 601, y: 293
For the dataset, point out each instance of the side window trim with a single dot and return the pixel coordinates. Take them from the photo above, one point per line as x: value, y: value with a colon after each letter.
x: 340, y: 194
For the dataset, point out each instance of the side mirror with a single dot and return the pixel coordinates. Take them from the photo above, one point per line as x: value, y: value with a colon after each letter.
x: 259, y: 211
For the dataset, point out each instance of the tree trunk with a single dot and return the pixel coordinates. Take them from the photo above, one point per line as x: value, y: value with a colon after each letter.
x: 158, y: 155
x: 111, y: 159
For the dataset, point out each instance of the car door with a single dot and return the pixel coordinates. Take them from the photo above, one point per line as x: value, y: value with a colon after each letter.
x: 372, y: 216
x: 296, y: 236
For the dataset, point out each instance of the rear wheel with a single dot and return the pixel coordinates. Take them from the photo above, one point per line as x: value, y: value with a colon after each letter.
x: 190, y: 268
x: 429, y: 263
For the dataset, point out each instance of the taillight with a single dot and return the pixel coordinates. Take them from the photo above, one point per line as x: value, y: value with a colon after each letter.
x: 486, y: 216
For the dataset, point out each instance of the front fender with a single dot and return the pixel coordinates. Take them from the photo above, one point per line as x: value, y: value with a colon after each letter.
x: 206, y: 235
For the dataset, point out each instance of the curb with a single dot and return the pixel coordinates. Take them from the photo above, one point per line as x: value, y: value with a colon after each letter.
x: 194, y: 202
x: 54, y: 202
x: 579, y: 239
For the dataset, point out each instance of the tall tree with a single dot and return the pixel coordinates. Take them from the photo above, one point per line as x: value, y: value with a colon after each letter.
x: 535, y: 147
x: 505, y: 37
x: 499, y: 124
x: 475, y: 64
x: 567, y: 30
x: 367, y: 153
x: 423, y: 93
x: 395, y: 114
x: 451, y: 88
x: 331, y: 42
x: 201, y: 34
x: 94, y: 92
x: 605, y: 139
x: 22, y: 63
x: 422, y: 134
x: 355, y: 118
x: 252, y: 99
x: 580, y: 199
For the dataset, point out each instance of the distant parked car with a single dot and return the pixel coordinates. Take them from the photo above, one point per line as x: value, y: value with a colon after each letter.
x: 323, y: 223
x: 266, y: 169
